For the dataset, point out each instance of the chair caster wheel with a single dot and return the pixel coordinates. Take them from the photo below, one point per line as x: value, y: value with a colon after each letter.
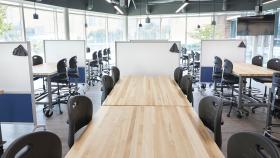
x: 60, y: 112
x: 253, y: 111
x: 239, y: 115
x: 48, y: 113
x: 228, y: 115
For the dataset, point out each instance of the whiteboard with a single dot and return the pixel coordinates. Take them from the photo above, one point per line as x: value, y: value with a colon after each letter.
x: 146, y: 57
x: 16, y: 73
x: 56, y: 50
x: 225, y: 49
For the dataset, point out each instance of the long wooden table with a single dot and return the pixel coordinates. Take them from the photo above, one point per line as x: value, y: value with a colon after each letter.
x: 243, y: 71
x: 47, y: 70
x: 145, y: 132
x: 146, y: 91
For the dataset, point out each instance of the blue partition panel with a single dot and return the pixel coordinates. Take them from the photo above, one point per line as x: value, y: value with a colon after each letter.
x: 16, y: 108
x: 82, y: 74
x: 206, y: 74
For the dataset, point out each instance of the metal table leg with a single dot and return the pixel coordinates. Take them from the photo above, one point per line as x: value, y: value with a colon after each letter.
x: 49, y: 91
x: 1, y: 142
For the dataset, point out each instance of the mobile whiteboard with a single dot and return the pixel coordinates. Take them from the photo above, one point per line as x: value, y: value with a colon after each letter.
x: 146, y: 57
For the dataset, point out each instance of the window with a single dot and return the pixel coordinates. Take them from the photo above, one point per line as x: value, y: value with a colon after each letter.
x: 96, y: 33
x: 11, y: 29
x: 132, y: 28
x: 77, y: 26
x: 40, y: 29
x: 149, y: 31
x: 173, y: 29
x: 195, y: 34
x: 116, y: 30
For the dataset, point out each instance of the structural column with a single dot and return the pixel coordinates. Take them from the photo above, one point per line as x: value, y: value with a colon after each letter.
x: 66, y: 24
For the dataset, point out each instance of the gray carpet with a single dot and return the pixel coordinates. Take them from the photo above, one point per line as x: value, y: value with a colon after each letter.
x: 57, y: 123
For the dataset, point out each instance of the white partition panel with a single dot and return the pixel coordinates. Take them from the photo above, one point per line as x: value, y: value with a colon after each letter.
x: 225, y: 49
x: 56, y: 50
x: 146, y: 57
x: 17, y: 104
x: 59, y: 49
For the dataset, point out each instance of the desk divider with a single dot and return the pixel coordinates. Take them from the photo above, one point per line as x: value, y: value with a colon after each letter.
x: 17, y: 104
x: 225, y: 49
x: 56, y: 50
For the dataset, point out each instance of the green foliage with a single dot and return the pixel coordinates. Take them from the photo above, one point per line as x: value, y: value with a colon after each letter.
x: 203, y: 33
x: 4, y: 26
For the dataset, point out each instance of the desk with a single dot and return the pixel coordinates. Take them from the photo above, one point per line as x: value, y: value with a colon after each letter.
x: 47, y: 70
x: 243, y: 71
x: 145, y: 132
x: 146, y: 91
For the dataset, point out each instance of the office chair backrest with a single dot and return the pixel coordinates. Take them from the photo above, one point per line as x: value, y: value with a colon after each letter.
x: 37, y: 60
x: 73, y: 62
x: 94, y: 55
x: 109, y: 51
x: 247, y: 145
x: 186, y: 86
x: 178, y: 73
x: 41, y: 144
x: 79, y: 113
x: 274, y: 64
x: 105, y: 52
x: 210, y: 112
x: 62, y: 68
x: 115, y: 74
x: 197, y: 56
x: 99, y: 54
x: 108, y: 85
x: 218, y: 64
x: 228, y: 67
x: 257, y: 60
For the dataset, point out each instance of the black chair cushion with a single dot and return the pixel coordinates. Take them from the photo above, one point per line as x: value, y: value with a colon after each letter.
x: 263, y: 79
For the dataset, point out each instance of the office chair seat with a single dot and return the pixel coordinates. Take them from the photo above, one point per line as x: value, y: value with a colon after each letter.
x: 41, y: 144
x: 263, y: 79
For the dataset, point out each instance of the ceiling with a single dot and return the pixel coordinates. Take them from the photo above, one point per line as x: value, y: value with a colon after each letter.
x: 137, y: 7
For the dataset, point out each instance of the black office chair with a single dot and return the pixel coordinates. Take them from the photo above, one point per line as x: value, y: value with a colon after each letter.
x: 38, y: 60
x: 62, y: 81
x: 115, y: 74
x: 251, y: 145
x: 273, y: 64
x: 94, y: 72
x: 217, y: 71
x: 178, y: 73
x: 210, y: 112
x: 80, y: 114
x: 230, y: 80
x: 109, y: 53
x: 100, y: 62
x: 73, y: 73
x: 41, y: 144
x: 108, y: 85
x: 258, y: 61
x: 186, y: 87
x: 105, y: 59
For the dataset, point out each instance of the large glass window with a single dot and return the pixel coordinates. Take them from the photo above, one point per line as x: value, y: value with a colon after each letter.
x: 40, y: 29
x: 11, y: 24
x: 195, y: 34
x: 96, y: 33
x: 116, y: 31
x: 173, y: 29
x: 77, y: 26
x: 149, y: 31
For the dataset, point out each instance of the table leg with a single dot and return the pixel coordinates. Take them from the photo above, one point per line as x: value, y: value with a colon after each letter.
x: 1, y: 142
x: 240, y: 93
x: 49, y: 91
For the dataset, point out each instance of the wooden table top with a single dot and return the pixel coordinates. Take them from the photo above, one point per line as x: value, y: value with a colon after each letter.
x: 45, y: 69
x: 146, y: 91
x: 145, y: 132
x: 244, y: 69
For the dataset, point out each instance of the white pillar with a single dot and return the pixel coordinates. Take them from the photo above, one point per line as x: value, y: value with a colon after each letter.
x: 66, y: 24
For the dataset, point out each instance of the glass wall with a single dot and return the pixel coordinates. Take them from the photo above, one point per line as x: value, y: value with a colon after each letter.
x: 173, y: 29
x: 96, y: 32
x: 11, y: 24
x: 77, y: 26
